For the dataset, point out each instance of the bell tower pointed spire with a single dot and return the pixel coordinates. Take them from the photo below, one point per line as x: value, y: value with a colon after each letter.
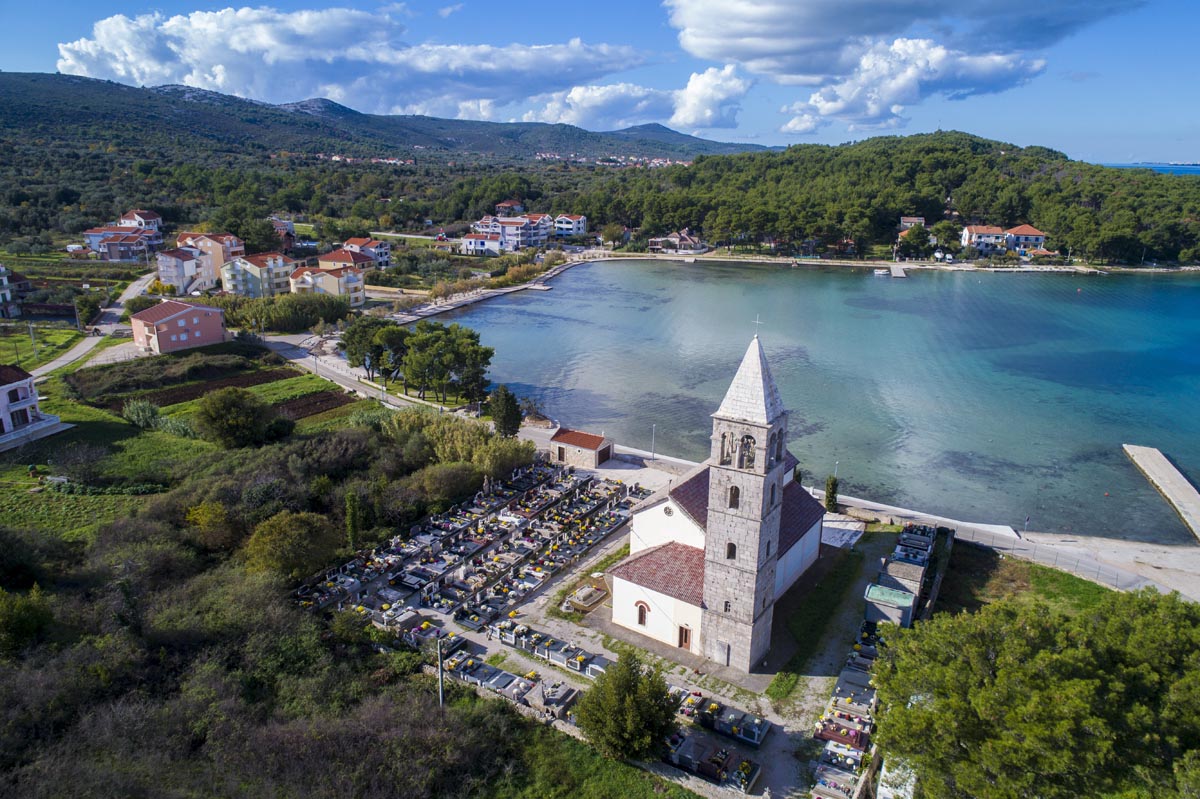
x: 753, y: 395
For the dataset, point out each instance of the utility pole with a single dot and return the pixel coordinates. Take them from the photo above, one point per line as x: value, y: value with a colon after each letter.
x: 441, y: 677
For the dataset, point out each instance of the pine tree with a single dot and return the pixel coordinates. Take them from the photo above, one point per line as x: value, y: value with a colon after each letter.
x: 628, y: 712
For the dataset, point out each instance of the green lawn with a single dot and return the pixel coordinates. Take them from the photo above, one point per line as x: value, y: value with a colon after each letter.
x: 808, y: 620
x: 16, y: 348
x: 979, y: 576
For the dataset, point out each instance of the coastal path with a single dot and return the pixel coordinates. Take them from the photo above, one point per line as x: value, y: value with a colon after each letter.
x: 1080, y: 560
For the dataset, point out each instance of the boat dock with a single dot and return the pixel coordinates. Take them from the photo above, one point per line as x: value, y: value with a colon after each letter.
x: 898, y: 271
x: 1170, y: 482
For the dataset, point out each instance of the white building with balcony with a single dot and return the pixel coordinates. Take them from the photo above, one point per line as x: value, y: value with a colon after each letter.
x: 21, y: 420
x: 570, y: 225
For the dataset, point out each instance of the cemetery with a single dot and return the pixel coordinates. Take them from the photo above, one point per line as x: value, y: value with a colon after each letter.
x: 478, y: 560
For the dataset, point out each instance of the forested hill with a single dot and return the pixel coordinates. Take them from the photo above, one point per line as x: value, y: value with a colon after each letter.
x: 76, y: 152
x: 859, y: 191
x: 72, y: 109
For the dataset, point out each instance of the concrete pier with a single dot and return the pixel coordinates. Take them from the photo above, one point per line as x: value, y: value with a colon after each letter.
x: 898, y: 271
x: 1170, y: 482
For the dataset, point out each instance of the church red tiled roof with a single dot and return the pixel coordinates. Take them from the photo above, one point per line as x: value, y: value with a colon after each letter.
x: 674, y: 569
x: 800, y: 512
x: 692, y: 497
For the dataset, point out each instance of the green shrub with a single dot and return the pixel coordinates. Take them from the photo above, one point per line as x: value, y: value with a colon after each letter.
x: 141, y: 413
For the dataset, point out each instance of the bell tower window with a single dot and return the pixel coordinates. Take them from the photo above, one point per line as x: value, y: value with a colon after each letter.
x: 772, y: 495
x: 735, y: 496
x: 746, y: 453
x: 731, y: 551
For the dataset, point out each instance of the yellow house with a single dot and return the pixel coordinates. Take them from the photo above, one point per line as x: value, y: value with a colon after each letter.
x: 343, y: 282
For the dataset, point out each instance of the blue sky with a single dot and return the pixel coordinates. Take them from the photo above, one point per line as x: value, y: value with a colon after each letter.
x: 1102, y: 80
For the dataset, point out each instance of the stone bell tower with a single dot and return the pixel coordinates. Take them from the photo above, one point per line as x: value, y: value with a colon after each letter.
x: 745, y: 497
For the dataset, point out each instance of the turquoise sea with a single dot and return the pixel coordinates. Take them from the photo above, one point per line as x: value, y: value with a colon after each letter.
x: 985, y: 397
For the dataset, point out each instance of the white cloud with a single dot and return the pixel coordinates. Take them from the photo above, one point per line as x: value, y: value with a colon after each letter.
x: 889, y: 78
x: 616, y: 105
x: 448, y: 10
x: 354, y: 57
x: 709, y: 100
x: 869, y: 59
x: 804, y: 119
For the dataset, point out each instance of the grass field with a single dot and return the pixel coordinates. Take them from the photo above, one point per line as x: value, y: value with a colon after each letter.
x: 329, y: 420
x: 72, y: 517
x: 16, y: 348
x: 979, y: 576
x: 269, y: 393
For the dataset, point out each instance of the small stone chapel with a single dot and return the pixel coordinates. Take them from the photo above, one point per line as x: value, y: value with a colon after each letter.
x: 711, y: 554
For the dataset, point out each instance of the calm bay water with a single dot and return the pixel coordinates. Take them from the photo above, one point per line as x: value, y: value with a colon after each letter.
x: 986, y: 397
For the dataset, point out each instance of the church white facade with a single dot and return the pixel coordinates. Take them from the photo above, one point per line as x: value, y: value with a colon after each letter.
x: 710, y: 555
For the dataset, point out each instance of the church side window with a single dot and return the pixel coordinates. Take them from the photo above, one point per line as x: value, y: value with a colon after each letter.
x: 643, y: 610
x: 746, y: 453
x: 731, y: 551
x: 728, y: 606
x: 735, y: 496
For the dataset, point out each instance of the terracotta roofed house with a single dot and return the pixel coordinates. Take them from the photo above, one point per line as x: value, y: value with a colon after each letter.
x: 577, y: 448
x: 984, y: 238
x: 379, y: 251
x: 481, y: 244
x: 141, y: 218
x: 341, y: 258
x: 343, y: 282
x: 1025, y: 238
x: 172, y: 325
x: 218, y: 249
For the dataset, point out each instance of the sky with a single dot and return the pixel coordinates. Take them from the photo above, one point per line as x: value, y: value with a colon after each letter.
x: 1108, y: 81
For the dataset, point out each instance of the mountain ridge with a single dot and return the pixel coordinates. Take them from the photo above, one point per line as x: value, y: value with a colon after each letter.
x: 50, y: 105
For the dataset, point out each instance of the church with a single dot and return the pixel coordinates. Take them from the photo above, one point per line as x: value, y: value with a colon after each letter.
x: 711, y: 554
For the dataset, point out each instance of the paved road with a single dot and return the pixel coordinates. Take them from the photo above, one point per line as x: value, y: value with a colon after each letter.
x: 314, y: 354
x: 108, y: 321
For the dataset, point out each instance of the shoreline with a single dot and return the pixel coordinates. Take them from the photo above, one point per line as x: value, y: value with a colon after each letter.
x: 539, y: 283
x: 1115, y: 563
